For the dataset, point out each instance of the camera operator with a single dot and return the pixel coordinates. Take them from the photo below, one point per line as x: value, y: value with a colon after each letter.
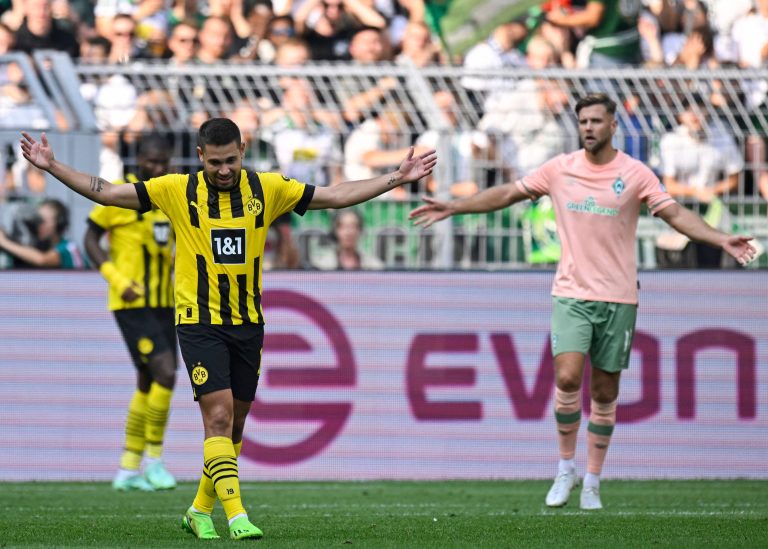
x: 50, y: 249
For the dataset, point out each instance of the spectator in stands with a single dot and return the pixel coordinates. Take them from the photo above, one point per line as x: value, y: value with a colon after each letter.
x: 40, y: 31
x: 698, y: 50
x: 292, y: 53
x: 123, y: 38
x: 375, y: 145
x: 650, y: 40
x: 151, y: 26
x: 215, y: 39
x: 750, y: 34
x: 182, y: 43
x: 7, y: 39
x: 52, y: 249
x: 612, y: 38
x: 235, y: 12
x: 693, y: 157
x: 418, y: 47
x: 154, y: 111
x: 560, y: 39
x: 259, y: 13
x: 94, y: 50
x: 306, y: 146
x: 185, y: 10
x: 115, y: 103
x: 280, y: 30
x: 346, y: 253
x: 468, y: 147
x: 328, y: 25
x: 695, y: 153
x: 525, y: 118
x: 18, y: 109
x: 722, y: 14
x: 361, y: 95
x: 497, y: 52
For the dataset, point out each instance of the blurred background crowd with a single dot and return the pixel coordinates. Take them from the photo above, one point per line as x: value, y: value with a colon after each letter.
x: 326, y: 90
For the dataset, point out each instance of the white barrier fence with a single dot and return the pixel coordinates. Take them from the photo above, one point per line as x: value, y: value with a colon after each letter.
x: 399, y: 376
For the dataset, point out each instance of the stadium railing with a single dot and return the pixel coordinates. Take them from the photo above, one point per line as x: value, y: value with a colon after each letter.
x: 500, y: 124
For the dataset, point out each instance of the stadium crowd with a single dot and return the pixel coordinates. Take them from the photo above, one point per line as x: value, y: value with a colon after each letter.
x: 519, y: 125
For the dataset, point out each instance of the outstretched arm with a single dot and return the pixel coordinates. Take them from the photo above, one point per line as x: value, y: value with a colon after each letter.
x: 691, y: 225
x: 485, y: 201
x: 40, y: 155
x: 350, y: 193
x: 29, y: 254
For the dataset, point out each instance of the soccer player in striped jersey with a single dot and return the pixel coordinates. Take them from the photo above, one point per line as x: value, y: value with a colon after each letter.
x: 597, y: 193
x: 221, y: 215
x: 138, y: 269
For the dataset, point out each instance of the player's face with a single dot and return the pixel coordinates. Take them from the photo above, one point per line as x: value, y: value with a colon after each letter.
x: 596, y: 128
x: 222, y: 164
x: 153, y: 164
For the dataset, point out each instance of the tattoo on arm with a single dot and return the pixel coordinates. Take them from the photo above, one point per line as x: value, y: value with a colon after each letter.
x: 391, y: 181
x: 97, y: 184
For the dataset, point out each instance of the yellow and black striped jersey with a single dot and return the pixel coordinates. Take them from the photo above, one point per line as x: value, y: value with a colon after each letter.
x: 220, y: 239
x: 141, y: 248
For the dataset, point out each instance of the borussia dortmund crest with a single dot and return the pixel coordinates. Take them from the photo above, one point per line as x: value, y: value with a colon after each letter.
x: 618, y: 186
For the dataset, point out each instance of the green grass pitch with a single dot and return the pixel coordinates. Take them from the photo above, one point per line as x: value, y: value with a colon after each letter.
x: 464, y: 514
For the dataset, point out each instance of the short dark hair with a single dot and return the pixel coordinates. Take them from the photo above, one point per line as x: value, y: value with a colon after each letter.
x: 596, y: 99
x: 153, y: 142
x: 218, y: 131
x: 99, y: 41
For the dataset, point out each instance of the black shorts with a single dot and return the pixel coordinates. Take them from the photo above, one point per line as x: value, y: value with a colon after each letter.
x: 147, y: 332
x: 222, y: 357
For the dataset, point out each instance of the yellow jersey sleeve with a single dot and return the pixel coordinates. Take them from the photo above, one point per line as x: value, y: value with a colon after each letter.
x: 285, y: 195
x: 166, y: 192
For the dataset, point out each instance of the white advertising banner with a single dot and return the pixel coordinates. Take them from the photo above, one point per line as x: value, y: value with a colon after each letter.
x: 398, y: 376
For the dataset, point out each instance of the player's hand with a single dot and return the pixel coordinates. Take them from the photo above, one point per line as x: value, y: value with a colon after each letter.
x: 133, y: 292
x: 414, y: 168
x: 431, y: 212
x: 39, y: 154
x: 738, y: 247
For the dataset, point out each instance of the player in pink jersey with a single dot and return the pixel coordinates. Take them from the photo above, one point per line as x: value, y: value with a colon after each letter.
x: 597, y: 193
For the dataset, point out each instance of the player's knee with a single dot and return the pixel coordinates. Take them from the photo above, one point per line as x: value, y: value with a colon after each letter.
x: 568, y: 383
x: 218, y: 420
x: 163, y: 369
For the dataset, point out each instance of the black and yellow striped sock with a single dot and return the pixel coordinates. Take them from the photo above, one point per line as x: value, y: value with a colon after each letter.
x: 134, y: 432
x: 158, y: 406
x: 221, y: 463
x: 206, y: 495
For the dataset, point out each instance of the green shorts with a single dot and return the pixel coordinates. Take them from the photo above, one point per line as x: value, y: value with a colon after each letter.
x: 599, y: 329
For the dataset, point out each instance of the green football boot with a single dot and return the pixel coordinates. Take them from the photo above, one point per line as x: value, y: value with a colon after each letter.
x: 159, y: 477
x: 242, y: 528
x: 199, y: 524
